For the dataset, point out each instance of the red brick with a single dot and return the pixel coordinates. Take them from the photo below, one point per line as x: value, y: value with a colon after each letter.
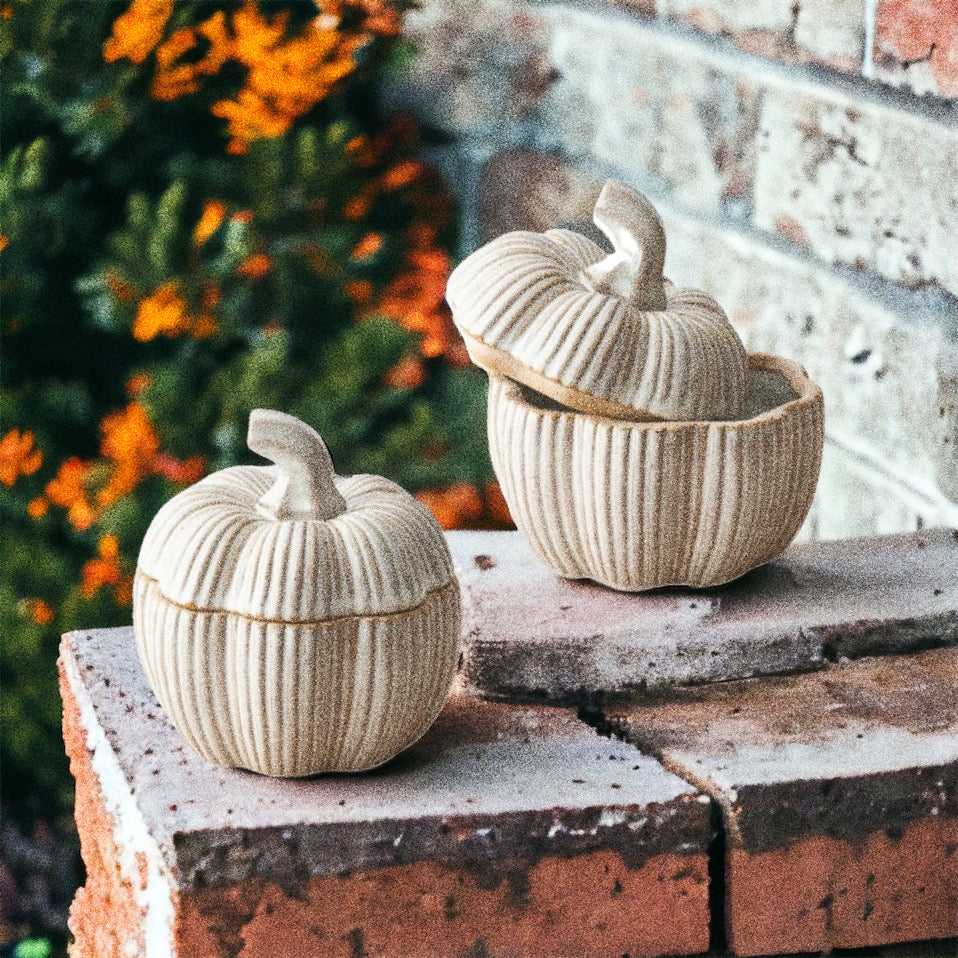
x: 822, y: 892
x: 589, y: 905
x: 839, y: 793
x: 104, y: 918
x: 506, y: 830
x: 919, y: 31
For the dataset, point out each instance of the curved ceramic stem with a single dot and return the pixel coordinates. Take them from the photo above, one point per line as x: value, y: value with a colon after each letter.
x: 634, y: 270
x: 305, y: 487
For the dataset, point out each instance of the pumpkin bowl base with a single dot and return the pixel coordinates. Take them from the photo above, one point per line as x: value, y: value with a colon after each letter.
x: 642, y: 505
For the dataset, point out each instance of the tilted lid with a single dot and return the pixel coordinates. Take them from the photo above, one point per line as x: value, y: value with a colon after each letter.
x: 293, y: 542
x: 600, y: 333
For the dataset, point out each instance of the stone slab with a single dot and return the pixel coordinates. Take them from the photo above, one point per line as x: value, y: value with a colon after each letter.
x: 839, y: 792
x: 530, y: 635
x: 507, y: 830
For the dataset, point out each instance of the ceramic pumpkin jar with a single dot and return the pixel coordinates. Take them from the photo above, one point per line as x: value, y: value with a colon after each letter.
x: 634, y: 440
x: 291, y: 621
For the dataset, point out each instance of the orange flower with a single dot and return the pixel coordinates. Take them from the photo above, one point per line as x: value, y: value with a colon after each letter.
x: 255, y: 266
x: 175, y: 78
x: 286, y: 77
x: 359, y: 205
x: 131, y: 444
x: 18, y: 456
x: 68, y: 490
x: 162, y: 312
x: 359, y: 291
x: 361, y: 151
x: 137, y: 383
x: 409, y: 373
x: 402, y: 175
x: 416, y: 300
x: 165, y: 312
x: 4, y: 242
x: 368, y: 246
x: 41, y: 612
x: 209, y: 222
x: 185, y: 473
x: 37, y: 507
x: 137, y: 32
x: 455, y: 506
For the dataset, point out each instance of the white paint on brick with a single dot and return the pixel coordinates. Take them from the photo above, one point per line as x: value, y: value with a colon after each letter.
x: 131, y: 835
x: 860, y: 749
x: 868, y: 59
x: 831, y: 31
x: 859, y: 183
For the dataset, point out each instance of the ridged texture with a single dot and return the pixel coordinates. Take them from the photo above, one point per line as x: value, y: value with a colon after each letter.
x: 523, y: 295
x: 642, y: 505
x: 298, y: 699
x: 209, y: 549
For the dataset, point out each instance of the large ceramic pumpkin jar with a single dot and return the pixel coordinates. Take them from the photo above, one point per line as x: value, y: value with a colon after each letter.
x: 292, y: 621
x: 635, y: 441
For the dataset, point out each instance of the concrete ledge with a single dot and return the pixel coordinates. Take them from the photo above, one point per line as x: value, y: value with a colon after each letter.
x: 531, y: 636
x: 839, y: 794
x: 507, y: 831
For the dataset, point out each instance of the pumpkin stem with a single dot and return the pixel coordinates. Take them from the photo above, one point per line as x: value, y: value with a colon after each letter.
x: 634, y: 270
x: 304, y: 488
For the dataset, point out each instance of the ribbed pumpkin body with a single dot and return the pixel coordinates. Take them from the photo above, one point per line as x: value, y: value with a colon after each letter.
x: 640, y: 505
x: 294, y: 699
x: 298, y: 645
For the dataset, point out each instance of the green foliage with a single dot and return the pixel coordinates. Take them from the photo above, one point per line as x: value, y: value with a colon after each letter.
x: 178, y: 248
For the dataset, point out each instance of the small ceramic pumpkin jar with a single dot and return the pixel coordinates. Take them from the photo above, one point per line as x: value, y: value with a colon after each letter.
x: 291, y: 621
x: 634, y: 440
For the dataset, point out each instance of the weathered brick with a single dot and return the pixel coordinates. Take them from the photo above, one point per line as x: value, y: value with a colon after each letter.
x: 839, y: 793
x: 860, y: 183
x: 856, y: 180
x: 916, y: 45
x: 817, y: 31
x: 482, y: 67
x: 530, y: 635
x: 506, y: 831
x: 881, y: 361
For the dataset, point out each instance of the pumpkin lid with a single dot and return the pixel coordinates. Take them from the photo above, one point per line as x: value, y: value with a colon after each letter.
x: 600, y: 333
x: 293, y: 542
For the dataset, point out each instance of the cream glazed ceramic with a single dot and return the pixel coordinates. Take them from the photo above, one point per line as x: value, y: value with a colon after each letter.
x: 638, y: 505
x: 601, y: 334
x: 291, y: 621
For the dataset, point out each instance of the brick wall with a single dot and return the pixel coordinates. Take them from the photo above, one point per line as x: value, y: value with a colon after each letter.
x: 804, y: 157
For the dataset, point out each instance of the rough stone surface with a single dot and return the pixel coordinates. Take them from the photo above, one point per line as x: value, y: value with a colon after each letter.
x: 856, y: 180
x: 530, y: 635
x: 810, y: 31
x: 839, y: 793
x: 526, y: 814
x: 916, y: 45
x: 863, y: 184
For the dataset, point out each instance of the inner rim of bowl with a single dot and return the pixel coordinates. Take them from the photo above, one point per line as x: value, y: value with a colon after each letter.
x: 775, y: 386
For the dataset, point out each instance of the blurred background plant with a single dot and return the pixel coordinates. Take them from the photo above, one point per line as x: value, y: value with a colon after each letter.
x: 202, y: 211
